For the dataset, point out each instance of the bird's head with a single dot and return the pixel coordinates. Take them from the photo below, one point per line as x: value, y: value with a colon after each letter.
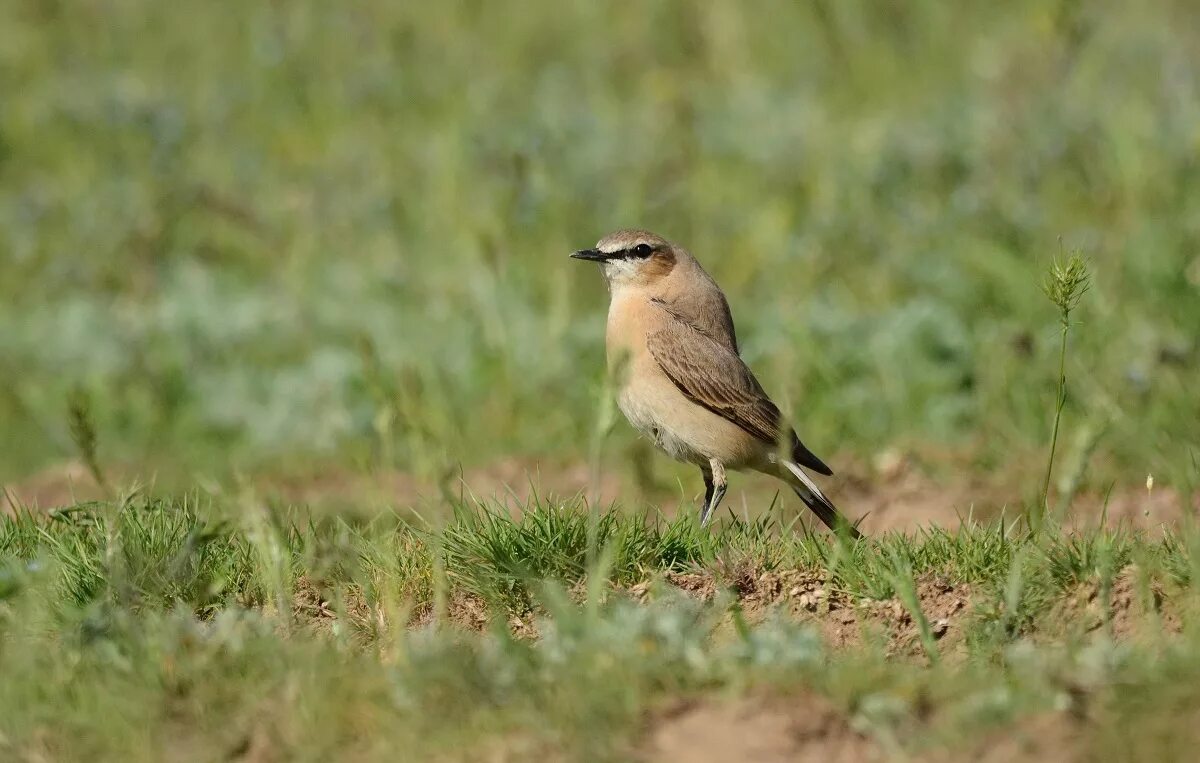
x: 629, y: 257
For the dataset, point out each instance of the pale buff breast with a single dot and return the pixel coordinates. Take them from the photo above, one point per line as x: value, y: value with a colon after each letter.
x: 657, y: 408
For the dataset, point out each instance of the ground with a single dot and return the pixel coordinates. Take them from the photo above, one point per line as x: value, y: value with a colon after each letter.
x: 567, y: 633
x: 309, y: 452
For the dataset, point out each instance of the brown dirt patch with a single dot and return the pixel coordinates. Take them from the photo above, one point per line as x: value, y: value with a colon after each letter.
x: 464, y: 610
x: 806, y: 595
x: 1053, y: 736
x: 893, y: 498
x: 309, y: 601
x: 893, y: 492
x: 844, y: 620
x: 945, y: 605
x: 63, y: 484
x: 756, y: 730
x: 1136, y: 607
x: 1133, y: 506
x: 895, y: 495
x: 469, y: 612
x: 510, y: 482
x: 701, y: 585
x: 314, y: 606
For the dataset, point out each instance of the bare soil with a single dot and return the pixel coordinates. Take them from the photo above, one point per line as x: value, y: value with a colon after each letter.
x: 1051, y: 736
x: 799, y: 728
x: 891, y: 494
x: 807, y: 596
x: 62, y: 484
x: 808, y: 727
x: 1137, y: 607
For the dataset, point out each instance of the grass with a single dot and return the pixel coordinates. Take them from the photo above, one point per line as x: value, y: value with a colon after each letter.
x: 152, y: 629
x: 340, y: 236
x: 252, y: 251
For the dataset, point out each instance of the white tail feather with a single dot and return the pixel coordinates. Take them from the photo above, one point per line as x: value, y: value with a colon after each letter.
x: 816, y: 500
x: 805, y: 480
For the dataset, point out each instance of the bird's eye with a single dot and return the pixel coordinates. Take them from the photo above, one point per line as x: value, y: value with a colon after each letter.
x: 643, y: 250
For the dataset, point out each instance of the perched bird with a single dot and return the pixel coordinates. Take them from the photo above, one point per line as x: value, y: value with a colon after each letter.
x: 672, y: 347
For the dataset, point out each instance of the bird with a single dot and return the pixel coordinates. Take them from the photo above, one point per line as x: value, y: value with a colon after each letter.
x: 679, y: 377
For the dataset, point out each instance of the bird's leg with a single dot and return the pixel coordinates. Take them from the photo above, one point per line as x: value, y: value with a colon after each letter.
x: 708, y: 488
x: 714, y: 489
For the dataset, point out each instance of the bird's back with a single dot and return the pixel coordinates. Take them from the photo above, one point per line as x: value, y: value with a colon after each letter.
x: 690, y: 292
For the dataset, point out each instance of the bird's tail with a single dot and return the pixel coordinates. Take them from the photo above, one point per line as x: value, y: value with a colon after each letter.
x: 816, y: 500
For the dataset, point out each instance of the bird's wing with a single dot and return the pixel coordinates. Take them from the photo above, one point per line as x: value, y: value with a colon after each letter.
x: 706, y: 312
x: 713, y: 376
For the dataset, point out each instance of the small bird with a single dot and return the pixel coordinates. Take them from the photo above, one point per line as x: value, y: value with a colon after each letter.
x: 681, y: 382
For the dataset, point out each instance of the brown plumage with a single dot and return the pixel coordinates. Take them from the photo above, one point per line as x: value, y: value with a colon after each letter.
x: 682, y: 383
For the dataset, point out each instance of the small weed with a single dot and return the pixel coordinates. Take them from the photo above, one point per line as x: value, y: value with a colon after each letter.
x: 1064, y: 287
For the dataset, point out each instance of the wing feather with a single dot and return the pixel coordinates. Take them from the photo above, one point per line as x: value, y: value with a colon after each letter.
x: 712, y: 375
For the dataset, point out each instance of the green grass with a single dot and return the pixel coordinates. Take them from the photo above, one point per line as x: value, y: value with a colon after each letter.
x: 157, y: 553
x: 156, y: 627
x: 250, y: 249
x: 265, y: 236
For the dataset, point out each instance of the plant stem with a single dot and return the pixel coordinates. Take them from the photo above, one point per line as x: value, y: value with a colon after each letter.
x: 1061, y: 401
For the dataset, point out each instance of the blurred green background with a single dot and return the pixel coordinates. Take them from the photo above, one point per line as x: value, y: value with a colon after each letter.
x: 264, y: 236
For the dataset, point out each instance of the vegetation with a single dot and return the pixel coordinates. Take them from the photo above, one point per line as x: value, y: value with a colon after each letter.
x: 147, y: 629
x: 297, y: 385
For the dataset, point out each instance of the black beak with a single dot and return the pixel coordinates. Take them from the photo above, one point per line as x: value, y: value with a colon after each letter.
x: 594, y: 255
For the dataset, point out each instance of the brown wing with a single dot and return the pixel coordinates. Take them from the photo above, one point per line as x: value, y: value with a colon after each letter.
x: 706, y: 311
x: 712, y: 375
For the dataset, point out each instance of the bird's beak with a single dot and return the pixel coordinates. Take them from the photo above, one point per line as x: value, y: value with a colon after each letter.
x: 594, y: 255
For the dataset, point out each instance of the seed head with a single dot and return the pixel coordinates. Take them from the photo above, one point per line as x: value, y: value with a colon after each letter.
x: 1066, y: 284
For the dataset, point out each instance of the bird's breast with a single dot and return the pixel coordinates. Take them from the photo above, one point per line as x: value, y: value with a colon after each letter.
x: 628, y: 326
